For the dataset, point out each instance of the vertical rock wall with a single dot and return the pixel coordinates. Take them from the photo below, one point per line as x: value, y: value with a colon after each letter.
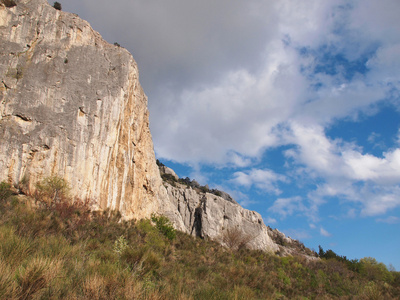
x: 71, y: 105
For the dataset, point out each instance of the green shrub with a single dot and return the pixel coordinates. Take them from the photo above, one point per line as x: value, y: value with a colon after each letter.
x: 57, y: 5
x: 120, y: 245
x: 5, y: 191
x: 216, y: 192
x: 169, y: 178
x: 52, y: 190
x: 164, y: 225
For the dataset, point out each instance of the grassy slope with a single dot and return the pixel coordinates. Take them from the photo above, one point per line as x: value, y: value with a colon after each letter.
x: 64, y: 252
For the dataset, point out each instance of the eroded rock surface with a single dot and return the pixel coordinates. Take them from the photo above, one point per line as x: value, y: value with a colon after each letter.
x: 209, y: 216
x: 71, y: 105
x: 217, y: 216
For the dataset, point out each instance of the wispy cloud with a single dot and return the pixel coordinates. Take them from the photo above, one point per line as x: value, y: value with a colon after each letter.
x: 270, y: 221
x: 298, y: 234
x: 325, y: 233
x: 389, y: 220
x: 288, y: 206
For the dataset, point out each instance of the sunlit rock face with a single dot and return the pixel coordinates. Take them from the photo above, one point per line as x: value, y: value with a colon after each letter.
x: 215, y: 215
x: 71, y: 105
x: 207, y: 215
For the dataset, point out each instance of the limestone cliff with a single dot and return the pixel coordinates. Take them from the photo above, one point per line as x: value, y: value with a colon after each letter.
x: 71, y: 104
x: 215, y: 215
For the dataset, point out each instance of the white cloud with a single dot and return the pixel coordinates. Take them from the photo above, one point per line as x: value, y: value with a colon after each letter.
x: 314, y: 149
x: 384, y: 170
x: 379, y: 200
x: 288, y: 206
x: 345, y: 171
x: 243, y: 109
x: 242, y: 198
x: 266, y: 180
x: 298, y: 234
x: 270, y: 220
x: 323, y: 232
x: 239, y: 160
x: 389, y: 220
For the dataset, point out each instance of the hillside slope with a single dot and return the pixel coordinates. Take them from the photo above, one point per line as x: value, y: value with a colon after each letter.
x: 63, y: 252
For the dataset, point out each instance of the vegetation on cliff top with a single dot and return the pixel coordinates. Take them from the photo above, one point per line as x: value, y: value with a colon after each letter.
x: 61, y: 250
x: 187, y: 182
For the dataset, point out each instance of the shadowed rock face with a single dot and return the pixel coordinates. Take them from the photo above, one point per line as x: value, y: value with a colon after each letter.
x: 71, y: 105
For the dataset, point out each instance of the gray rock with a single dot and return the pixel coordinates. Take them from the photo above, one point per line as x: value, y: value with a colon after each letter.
x: 222, y: 219
x: 168, y: 171
x: 209, y: 216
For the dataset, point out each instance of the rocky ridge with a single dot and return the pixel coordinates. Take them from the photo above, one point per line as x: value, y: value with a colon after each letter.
x: 215, y: 215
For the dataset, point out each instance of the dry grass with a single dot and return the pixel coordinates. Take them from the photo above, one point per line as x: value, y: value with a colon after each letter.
x: 41, y: 257
x: 235, y: 239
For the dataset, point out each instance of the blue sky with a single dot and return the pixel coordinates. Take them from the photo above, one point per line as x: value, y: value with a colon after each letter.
x: 290, y: 106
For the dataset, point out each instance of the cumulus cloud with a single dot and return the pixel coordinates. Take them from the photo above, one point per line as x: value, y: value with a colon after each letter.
x: 263, y: 179
x: 347, y: 173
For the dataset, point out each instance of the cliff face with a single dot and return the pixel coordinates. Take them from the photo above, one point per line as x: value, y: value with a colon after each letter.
x: 218, y: 217
x: 209, y: 216
x: 71, y: 105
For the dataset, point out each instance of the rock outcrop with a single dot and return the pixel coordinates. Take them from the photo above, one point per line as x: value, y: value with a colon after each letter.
x: 217, y: 216
x: 209, y: 216
x: 71, y: 105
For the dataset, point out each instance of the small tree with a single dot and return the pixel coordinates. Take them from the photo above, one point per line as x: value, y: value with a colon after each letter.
x: 57, y: 5
x: 164, y: 225
x: 52, y: 190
